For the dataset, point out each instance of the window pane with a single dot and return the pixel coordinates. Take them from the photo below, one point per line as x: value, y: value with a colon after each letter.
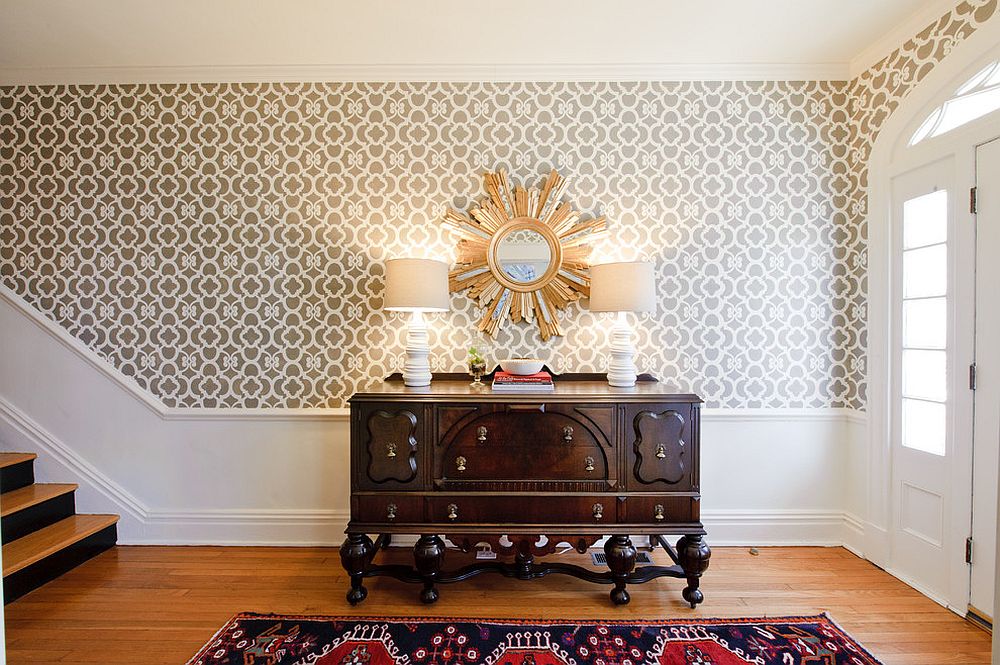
x: 925, y: 220
x: 924, y: 426
x: 924, y: 272
x: 924, y: 323
x: 961, y: 110
x: 924, y: 375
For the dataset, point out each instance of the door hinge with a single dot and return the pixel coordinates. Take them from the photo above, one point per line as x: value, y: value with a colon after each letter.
x: 973, y: 200
x: 968, y: 550
x: 972, y: 376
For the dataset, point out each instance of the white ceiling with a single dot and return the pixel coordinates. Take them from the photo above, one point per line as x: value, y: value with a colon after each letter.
x: 163, y: 40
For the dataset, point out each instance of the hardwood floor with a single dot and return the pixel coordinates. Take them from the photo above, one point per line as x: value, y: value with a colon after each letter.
x: 143, y: 605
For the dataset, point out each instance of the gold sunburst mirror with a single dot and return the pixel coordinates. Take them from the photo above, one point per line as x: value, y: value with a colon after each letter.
x: 522, y: 253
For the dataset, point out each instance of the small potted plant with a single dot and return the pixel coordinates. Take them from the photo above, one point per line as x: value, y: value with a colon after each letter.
x: 477, y: 365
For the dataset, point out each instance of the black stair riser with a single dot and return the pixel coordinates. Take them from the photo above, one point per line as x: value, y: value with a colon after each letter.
x: 16, y: 476
x: 51, y: 567
x: 36, y: 517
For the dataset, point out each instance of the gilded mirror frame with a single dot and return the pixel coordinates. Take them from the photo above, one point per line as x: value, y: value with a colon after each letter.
x: 508, y: 209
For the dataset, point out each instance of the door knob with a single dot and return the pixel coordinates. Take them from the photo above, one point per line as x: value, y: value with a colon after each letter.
x: 452, y: 512
x: 390, y: 511
x: 460, y: 463
x: 390, y: 450
x: 588, y: 464
x: 568, y: 434
x: 660, y: 452
x: 598, y: 511
x: 658, y: 512
x: 481, y: 433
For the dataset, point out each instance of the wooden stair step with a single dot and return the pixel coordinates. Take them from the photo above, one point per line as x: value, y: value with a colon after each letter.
x: 32, y: 495
x: 34, y: 547
x: 9, y: 459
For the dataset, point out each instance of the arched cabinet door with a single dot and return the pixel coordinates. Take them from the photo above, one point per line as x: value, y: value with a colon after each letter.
x: 389, y: 443
x: 660, y: 453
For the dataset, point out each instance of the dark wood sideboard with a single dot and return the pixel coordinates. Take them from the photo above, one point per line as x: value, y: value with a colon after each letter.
x: 477, y: 466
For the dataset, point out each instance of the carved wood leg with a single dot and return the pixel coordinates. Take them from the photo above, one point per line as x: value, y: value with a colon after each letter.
x: 355, y: 554
x: 428, y: 555
x: 523, y: 559
x: 693, y: 554
x: 621, y: 560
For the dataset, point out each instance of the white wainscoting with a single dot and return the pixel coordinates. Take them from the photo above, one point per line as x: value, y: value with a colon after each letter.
x: 280, y: 477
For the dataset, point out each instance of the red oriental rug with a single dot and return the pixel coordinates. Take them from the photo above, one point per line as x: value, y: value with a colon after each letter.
x: 260, y: 639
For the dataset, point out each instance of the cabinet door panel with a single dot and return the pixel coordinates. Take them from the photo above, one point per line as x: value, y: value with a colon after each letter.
x: 660, y: 447
x: 389, y: 442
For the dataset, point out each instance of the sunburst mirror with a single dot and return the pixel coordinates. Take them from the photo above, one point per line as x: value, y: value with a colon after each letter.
x: 522, y: 253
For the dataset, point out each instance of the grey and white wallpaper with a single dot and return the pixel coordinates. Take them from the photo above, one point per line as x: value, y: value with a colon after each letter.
x: 223, y: 244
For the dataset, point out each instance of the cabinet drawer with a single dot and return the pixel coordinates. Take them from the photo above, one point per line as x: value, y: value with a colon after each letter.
x: 529, y: 443
x: 661, y: 509
x: 388, y: 508
x: 523, y: 509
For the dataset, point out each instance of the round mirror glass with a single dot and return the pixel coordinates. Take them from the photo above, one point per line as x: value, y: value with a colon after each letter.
x: 523, y: 255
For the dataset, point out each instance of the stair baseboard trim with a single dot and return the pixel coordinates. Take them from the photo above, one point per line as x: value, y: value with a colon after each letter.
x: 61, y: 453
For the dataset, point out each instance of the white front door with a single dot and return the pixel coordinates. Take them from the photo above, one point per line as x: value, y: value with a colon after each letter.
x: 922, y: 378
x: 986, y: 430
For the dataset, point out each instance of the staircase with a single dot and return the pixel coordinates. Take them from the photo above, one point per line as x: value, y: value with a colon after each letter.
x: 42, y: 535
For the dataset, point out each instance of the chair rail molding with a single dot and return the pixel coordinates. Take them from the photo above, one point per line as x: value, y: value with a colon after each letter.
x: 264, y: 477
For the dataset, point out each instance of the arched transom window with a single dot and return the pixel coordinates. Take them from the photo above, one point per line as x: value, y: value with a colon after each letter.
x: 973, y: 99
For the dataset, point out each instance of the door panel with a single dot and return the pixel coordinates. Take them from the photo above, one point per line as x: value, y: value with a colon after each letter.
x: 922, y: 377
x: 986, y: 432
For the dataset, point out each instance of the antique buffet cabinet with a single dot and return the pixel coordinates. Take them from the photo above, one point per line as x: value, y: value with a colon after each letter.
x: 524, y: 473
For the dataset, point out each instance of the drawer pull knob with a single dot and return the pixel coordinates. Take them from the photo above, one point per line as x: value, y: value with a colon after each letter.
x: 588, y: 462
x: 598, y: 511
x: 452, y: 512
x: 460, y: 463
x: 390, y: 511
x: 660, y: 452
x: 568, y: 434
x: 390, y: 450
x: 658, y: 512
x: 481, y: 432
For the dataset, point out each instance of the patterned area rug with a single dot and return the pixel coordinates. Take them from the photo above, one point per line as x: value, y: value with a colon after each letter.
x: 258, y: 639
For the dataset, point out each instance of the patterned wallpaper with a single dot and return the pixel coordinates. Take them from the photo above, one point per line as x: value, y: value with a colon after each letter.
x: 223, y: 244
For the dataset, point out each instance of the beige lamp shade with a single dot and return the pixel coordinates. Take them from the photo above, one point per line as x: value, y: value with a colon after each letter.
x: 416, y: 285
x: 622, y: 287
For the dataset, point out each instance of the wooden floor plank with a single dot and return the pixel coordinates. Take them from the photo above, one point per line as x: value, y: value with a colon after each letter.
x: 165, y: 602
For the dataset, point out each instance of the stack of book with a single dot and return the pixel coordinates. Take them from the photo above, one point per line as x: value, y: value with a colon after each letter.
x: 507, y: 382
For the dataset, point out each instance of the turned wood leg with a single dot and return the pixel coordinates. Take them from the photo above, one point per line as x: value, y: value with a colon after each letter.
x: 428, y: 555
x: 621, y: 560
x: 693, y: 554
x: 355, y: 554
x: 523, y: 559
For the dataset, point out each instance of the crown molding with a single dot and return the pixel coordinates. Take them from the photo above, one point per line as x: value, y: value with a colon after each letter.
x: 899, y: 35
x: 417, y: 72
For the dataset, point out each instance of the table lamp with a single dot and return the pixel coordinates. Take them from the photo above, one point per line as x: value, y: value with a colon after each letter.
x: 416, y: 286
x: 622, y: 288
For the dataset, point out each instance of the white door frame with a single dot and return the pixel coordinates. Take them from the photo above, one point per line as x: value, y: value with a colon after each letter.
x: 890, y: 157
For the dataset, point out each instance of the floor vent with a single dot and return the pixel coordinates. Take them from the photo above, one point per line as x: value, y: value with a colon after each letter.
x: 600, y: 560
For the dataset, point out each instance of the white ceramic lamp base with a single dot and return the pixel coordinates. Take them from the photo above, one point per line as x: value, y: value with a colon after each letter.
x: 621, y: 368
x: 416, y: 367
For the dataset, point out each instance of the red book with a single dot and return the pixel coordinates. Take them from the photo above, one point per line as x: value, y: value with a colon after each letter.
x: 533, y: 379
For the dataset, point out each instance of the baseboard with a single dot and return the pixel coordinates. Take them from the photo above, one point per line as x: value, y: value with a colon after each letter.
x: 772, y: 528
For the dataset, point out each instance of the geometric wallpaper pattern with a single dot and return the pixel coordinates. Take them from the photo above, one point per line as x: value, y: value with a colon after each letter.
x: 223, y: 244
